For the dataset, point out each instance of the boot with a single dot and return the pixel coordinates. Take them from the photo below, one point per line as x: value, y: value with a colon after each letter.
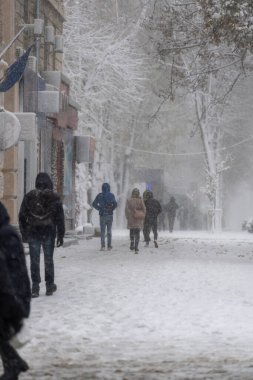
x: 12, y: 373
x: 35, y: 290
x: 156, y: 244
x: 132, y: 245
x: 51, y: 288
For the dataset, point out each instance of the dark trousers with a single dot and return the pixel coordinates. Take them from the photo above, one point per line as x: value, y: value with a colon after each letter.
x: 148, y: 226
x: 106, y: 226
x: 134, y: 237
x: 12, y: 362
x: 171, y: 222
x: 48, y: 249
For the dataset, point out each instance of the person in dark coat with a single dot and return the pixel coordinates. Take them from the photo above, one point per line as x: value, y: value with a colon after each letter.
x: 105, y: 203
x: 171, y: 210
x: 41, y: 221
x: 15, y: 295
x: 153, y: 209
x: 135, y: 211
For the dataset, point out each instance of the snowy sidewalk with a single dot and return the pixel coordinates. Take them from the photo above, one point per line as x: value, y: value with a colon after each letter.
x: 182, y: 311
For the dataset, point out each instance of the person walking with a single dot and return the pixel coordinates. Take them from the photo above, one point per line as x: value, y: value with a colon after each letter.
x: 15, y: 296
x: 153, y: 209
x: 171, y: 209
x: 135, y: 212
x: 41, y: 221
x: 105, y: 203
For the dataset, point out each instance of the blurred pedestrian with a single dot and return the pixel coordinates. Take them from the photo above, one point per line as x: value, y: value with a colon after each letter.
x: 41, y: 220
x: 105, y: 203
x: 153, y: 209
x: 171, y: 209
x: 15, y: 295
x: 135, y: 212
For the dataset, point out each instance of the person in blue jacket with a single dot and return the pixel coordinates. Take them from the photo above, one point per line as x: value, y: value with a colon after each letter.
x: 105, y: 203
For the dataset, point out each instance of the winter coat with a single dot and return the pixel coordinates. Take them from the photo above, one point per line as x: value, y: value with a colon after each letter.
x: 172, y: 207
x: 105, y: 202
x: 132, y: 204
x: 153, y: 208
x: 51, y: 204
x: 15, y: 293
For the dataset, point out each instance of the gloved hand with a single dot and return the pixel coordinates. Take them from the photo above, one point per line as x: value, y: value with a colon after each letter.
x: 59, y: 242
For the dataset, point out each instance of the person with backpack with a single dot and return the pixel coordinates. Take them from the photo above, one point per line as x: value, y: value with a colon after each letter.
x: 15, y: 295
x: 135, y: 212
x: 153, y: 209
x: 41, y: 221
x: 105, y: 203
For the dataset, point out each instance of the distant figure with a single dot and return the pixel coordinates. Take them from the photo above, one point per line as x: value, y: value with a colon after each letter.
x: 171, y: 209
x: 105, y: 203
x: 135, y: 212
x: 41, y: 220
x: 182, y: 216
x: 15, y: 295
x: 153, y: 209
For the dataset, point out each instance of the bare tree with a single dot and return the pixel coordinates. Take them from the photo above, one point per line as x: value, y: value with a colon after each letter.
x: 108, y: 69
x: 206, y: 68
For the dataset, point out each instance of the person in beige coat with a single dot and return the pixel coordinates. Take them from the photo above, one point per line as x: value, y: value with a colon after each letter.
x: 135, y: 212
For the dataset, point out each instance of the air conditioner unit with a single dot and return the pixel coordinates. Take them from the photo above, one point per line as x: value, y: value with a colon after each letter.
x: 58, y: 44
x: 49, y: 35
x: 50, y: 87
x: 38, y: 26
x: 19, y: 51
x: 28, y: 122
x: 49, y: 101
x: 32, y: 63
x: 44, y: 101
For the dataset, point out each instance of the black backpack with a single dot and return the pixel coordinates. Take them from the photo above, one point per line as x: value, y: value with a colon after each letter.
x: 40, y: 211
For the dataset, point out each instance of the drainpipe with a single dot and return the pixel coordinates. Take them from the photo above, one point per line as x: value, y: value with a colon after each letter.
x: 37, y: 53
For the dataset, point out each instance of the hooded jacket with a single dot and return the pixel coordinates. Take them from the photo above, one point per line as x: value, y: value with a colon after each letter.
x: 49, y: 203
x: 153, y: 207
x: 105, y: 202
x: 132, y: 204
x: 15, y: 293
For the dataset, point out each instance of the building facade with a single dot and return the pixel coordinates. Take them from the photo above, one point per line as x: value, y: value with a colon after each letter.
x: 42, y: 103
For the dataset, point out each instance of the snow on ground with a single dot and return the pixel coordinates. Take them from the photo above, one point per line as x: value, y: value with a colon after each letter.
x: 182, y: 311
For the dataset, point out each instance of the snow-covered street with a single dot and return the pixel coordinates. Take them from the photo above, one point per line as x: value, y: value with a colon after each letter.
x: 182, y: 311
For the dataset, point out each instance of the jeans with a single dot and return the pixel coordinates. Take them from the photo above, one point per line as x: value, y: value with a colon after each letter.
x: 106, y: 225
x: 134, y: 238
x: 152, y: 224
x: 48, y: 249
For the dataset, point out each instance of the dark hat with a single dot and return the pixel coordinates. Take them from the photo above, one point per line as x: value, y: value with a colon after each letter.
x: 135, y: 192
